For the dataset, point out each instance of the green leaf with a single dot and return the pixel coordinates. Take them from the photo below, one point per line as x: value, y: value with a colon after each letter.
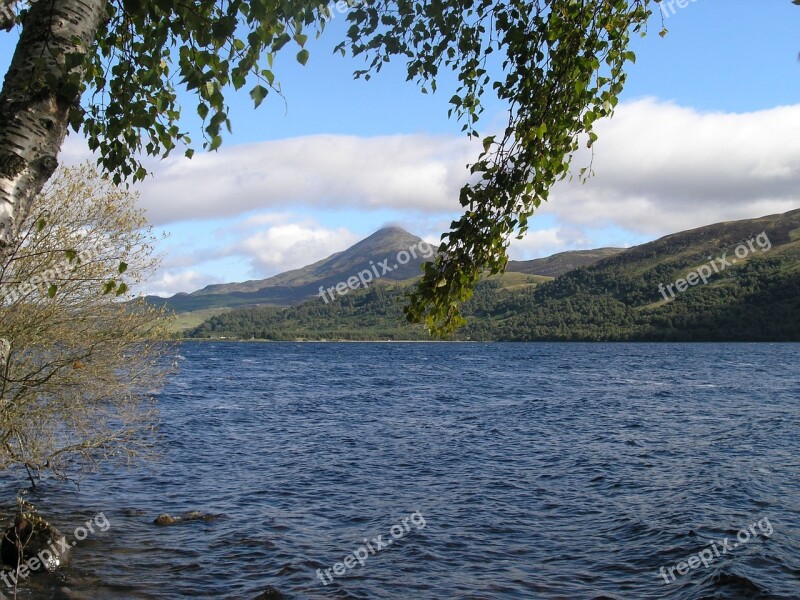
x: 123, y: 266
x: 238, y: 80
x: 258, y: 93
x: 302, y: 56
x: 51, y: 291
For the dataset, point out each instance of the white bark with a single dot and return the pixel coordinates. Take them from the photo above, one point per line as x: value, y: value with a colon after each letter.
x: 33, y: 115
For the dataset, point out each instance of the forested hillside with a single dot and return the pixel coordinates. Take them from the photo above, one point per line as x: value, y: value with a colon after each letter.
x: 752, y: 293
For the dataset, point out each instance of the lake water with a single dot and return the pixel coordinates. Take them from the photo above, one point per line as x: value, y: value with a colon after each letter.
x: 494, y: 470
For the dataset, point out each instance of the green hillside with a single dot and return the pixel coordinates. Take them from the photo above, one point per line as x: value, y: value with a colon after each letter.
x: 563, y: 262
x: 754, y: 296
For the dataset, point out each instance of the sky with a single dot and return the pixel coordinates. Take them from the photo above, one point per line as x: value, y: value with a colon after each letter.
x: 708, y: 130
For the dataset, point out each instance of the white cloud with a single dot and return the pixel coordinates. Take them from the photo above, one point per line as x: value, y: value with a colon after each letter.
x: 290, y: 246
x: 169, y: 282
x: 246, y: 250
x: 659, y: 168
x: 75, y: 150
x: 265, y: 219
x: 544, y: 242
x: 662, y: 168
x: 535, y: 243
x: 411, y: 172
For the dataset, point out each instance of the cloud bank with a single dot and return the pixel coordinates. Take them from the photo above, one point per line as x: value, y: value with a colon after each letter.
x: 658, y: 167
x: 662, y: 168
x: 411, y: 172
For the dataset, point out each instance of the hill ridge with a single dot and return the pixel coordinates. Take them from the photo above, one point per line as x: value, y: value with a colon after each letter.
x: 615, y: 298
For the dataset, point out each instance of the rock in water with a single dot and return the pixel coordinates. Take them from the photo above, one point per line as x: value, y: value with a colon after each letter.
x: 32, y: 541
x: 194, y: 515
x: 165, y: 520
x: 270, y: 594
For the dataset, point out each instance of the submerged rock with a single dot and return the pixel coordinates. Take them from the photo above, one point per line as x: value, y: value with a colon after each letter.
x: 165, y: 520
x: 195, y: 515
x: 270, y: 594
x: 34, y: 543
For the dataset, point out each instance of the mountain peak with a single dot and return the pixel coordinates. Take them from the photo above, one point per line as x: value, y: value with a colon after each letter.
x: 391, y: 253
x: 391, y: 231
x: 387, y: 240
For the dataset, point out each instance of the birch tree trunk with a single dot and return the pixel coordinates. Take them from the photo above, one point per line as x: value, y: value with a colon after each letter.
x: 33, y: 112
x: 37, y: 94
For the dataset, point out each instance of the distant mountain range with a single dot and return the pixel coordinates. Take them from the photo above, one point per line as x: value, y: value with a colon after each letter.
x: 729, y: 281
x: 299, y: 285
x: 383, y: 246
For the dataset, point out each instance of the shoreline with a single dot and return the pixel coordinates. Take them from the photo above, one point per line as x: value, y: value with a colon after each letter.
x: 332, y: 341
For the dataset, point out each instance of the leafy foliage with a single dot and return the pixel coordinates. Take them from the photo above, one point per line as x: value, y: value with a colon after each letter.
x: 374, y: 314
x: 146, y: 49
x: 759, y: 301
x: 756, y: 302
x: 561, y: 69
x: 75, y: 387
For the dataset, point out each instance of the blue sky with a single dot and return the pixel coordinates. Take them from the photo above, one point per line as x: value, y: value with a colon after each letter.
x: 707, y: 132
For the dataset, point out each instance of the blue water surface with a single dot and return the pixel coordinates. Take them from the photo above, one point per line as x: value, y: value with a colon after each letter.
x: 521, y: 470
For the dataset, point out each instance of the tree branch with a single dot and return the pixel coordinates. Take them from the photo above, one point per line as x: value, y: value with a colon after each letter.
x: 5, y: 350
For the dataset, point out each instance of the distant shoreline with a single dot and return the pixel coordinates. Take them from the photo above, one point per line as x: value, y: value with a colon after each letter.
x: 260, y: 340
x: 266, y: 341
